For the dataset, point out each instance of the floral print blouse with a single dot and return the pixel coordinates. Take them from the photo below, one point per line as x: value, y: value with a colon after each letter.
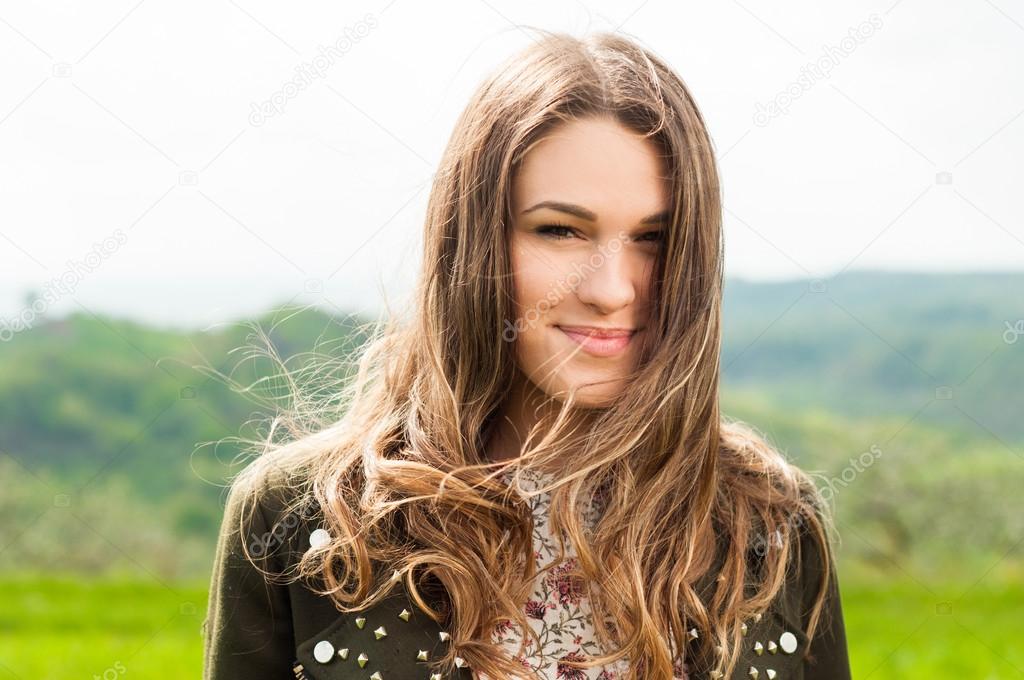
x: 558, y: 610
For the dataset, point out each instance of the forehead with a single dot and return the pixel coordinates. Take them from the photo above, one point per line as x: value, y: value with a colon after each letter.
x: 597, y: 163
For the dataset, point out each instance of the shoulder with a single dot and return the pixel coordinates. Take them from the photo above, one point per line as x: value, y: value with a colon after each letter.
x: 266, y: 508
x: 805, y: 618
x: 266, y: 479
x: 788, y: 640
x: 249, y: 627
x: 812, y: 601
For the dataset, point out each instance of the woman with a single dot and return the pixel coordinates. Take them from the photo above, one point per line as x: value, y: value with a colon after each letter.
x: 541, y: 441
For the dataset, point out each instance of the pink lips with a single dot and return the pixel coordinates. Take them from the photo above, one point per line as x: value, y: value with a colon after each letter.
x: 601, y: 342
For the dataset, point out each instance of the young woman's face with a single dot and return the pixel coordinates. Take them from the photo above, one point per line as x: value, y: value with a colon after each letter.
x: 589, y: 206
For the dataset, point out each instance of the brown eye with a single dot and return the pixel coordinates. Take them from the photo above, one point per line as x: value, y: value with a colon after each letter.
x: 557, y: 232
x: 653, y: 236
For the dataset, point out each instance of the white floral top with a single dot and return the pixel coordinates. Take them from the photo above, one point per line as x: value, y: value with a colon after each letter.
x: 558, y: 609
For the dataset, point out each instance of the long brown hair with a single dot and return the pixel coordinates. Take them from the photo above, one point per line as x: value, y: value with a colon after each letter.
x: 399, y: 470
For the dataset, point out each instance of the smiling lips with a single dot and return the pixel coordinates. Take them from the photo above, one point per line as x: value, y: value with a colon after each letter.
x: 601, y: 342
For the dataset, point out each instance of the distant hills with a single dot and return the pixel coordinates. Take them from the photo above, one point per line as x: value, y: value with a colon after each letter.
x: 100, y: 418
x: 877, y: 344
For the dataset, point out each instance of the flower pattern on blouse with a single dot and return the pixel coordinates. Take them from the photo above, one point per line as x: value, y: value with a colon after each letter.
x: 558, y: 609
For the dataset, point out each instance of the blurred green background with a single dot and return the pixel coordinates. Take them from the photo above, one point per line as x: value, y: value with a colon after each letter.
x: 901, y: 392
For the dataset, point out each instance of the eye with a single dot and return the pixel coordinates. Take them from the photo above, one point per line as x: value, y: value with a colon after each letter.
x: 652, y: 236
x: 556, y: 231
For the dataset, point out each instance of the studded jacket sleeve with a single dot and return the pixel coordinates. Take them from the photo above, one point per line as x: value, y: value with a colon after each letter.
x: 828, y: 657
x: 248, y: 629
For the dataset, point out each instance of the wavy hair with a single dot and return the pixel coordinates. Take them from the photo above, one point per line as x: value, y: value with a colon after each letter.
x: 396, y: 464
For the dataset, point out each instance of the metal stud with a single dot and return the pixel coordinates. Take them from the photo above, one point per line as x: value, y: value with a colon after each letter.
x: 757, y: 617
x: 772, y: 647
x: 380, y: 632
x: 421, y: 655
x: 752, y: 673
x: 435, y: 676
x: 362, y: 659
x: 376, y: 676
x: 444, y: 636
x: 788, y: 642
x: 395, y: 575
x: 693, y: 634
x: 360, y: 622
x: 758, y: 648
x: 343, y: 652
x: 460, y: 662
x: 770, y: 673
x: 323, y: 652
x: 404, y: 614
x: 319, y: 538
x: 743, y: 628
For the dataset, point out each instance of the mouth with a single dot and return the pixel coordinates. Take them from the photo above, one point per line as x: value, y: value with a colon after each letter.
x: 600, y: 342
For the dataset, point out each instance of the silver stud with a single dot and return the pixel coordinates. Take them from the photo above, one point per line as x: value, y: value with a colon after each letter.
x: 380, y: 632
x: 343, y: 652
x: 376, y: 676
x: 319, y: 538
x: 743, y: 628
x: 460, y: 662
x: 360, y: 622
x: 788, y: 642
x: 323, y: 652
x: 693, y: 634
x: 404, y: 614
x: 421, y: 655
x: 444, y: 636
x: 395, y: 575
x: 758, y: 648
x: 757, y: 617
x: 435, y: 676
x: 362, y: 659
x: 772, y: 647
x: 752, y: 673
x: 770, y: 673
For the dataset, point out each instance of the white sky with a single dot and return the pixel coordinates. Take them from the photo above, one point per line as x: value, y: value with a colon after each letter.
x: 106, y: 109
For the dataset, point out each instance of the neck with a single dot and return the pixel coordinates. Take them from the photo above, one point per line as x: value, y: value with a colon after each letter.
x: 525, y: 407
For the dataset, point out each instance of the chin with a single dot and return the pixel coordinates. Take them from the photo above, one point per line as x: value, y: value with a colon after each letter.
x: 590, y: 396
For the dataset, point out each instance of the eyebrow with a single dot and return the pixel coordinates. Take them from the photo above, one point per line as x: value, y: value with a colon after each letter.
x: 584, y: 214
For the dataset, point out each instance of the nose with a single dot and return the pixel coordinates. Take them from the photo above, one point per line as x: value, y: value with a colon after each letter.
x: 608, y: 281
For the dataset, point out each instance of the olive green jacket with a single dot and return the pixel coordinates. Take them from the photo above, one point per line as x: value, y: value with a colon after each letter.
x: 260, y: 630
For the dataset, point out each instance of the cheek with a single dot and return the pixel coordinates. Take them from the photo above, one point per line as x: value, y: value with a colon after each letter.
x: 535, y: 286
x: 536, y: 277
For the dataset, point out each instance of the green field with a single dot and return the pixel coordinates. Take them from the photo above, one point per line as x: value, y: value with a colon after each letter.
x: 905, y: 630
x: 53, y: 629
x: 108, y: 629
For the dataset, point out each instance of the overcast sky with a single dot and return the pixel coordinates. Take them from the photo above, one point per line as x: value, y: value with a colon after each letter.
x: 134, y: 169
